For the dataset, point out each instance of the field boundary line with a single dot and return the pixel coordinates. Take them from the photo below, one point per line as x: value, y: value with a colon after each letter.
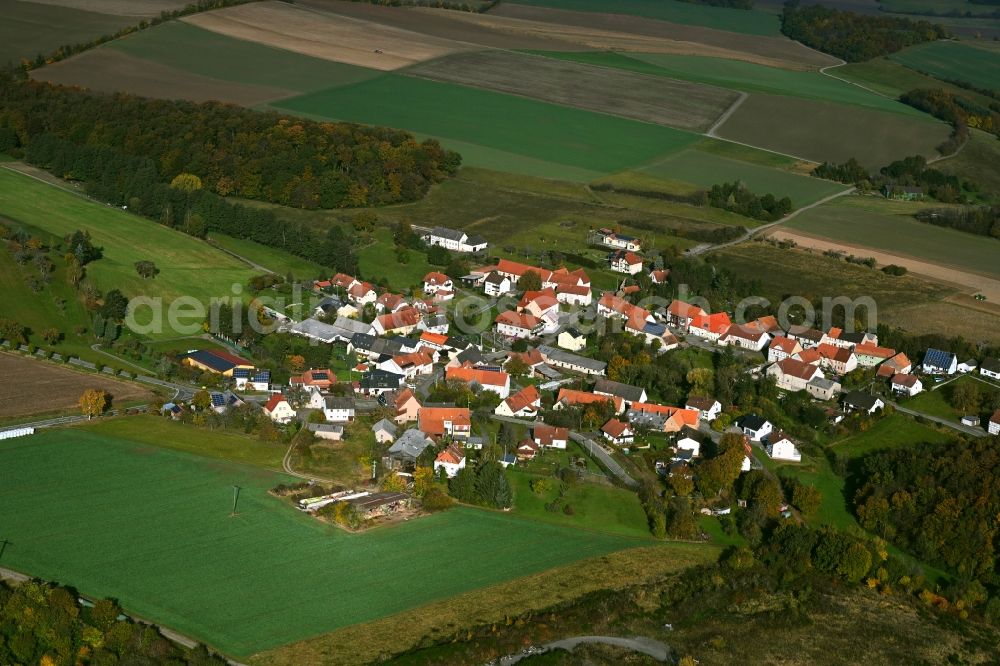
x: 725, y: 114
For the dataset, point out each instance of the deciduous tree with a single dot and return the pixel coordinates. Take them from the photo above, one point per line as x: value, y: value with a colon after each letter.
x: 93, y: 402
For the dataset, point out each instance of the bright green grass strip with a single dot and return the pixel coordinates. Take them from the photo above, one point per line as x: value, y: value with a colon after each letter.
x: 152, y: 528
x: 193, y: 49
x: 890, y: 432
x: 378, y: 260
x: 182, y: 260
x: 748, y: 22
x: 706, y: 170
x: 739, y: 75
x: 953, y: 61
x: 537, y: 130
x: 279, y: 261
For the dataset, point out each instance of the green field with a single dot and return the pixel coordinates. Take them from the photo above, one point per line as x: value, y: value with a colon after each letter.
x: 953, y: 61
x: 125, y: 238
x: 825, y: 131
x: 739, y: 75
x: 192, y: 49
x: 721, y: 18
x: 598, y: 507
x: 537, y: 130
x: 706, y: 169
x: 378, y: 260
x: 893, y: 79
x: 932, y: 7
x: 29, y: 28
x: 279, y: 261
x: 888, y: 225
x: 889, y: 432
x: 152, y: 528
x: 939, y: 402
x: 975, y: 163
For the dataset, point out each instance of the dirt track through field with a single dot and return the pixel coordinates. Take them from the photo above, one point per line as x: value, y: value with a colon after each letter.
x: 972, y: 283
x: 38, y: 387
x: 325, y: 35
x: 111, y: 70
x: 643, y: 97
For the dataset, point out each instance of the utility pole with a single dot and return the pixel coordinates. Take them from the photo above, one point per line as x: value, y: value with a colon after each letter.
x: 236, y: 498
x: 3, y: 546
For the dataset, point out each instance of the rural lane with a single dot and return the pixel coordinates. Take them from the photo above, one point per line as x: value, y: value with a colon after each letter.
x: 967, y: 430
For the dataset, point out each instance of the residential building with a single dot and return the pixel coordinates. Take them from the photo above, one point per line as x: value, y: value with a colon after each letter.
x: 617, y: 432
x: 755, y: 427
x: 898, y: 364
x: 573, y: 398
x: 623, y: 261
x: 745, y: 337
x: 314, y: 378
x: 338, y: 410
x: 626, y: 392
x: 937, y: 362
x: 708, y: 409
x: 781, y: 348
x: 376, y: 382
x: 455, y: 240
x: 822, y: 388
x: 435, y: 282
x: 400, y: 322
x: 525, y: 403
x: 994, y: 425
x: 550, y: 436
x: 781, y: 447
x: 990, y: 368
x: 659, y: 276
x: 406, y: 449
x: 858, y: 401
x: 362, y: 293
x: 615, y: 240
x: 840, y: 360
x: 870, y: 355
x: 407, y: 406
x: 516, y: 325
x: 437, y: 422
x: 278, y: 409
x: 558, y: 358
x: 572, y: 339
x: 450, y: 460
x: 967, y: 365
x: 329, y: 431
x: 680, y: 314
x: 488, y: 380
x: 907, y: 384
x: 652, y: 332
x: 689, y: 444
x: 496, y: 284
x: 526, y: 450
x: 806, y: 336
x: 709, y: 326
x: 385, y: 431
x: 662, y: 418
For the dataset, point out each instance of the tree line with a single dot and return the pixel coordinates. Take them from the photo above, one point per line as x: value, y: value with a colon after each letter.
x: 958, y: 110
x: 979, y: 220
x: 909, y: 171
x: 854, y: 37
x: 737, y: 198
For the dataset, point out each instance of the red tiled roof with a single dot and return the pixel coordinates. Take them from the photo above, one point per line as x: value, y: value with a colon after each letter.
x: 404, y: 396
x: 518, y: 320
x: 874, y: 350
x: 274, y: 401
x: 434, y: 338
x: 400, y: 319
x: 909, y: 381
x: 431, y: 419
x: 714, y: 323
x: 786, y: 345
x: 481, y: 377
x: 530, y: 358
x: 523, y: 398
x: 574, y: 397
x: 745, y: 332
x: 659, y: 276
x: 615, y: 428
x: 682, y: 309
x: 453, y: 454
x: 834, y: 353
x: 545, y: 299
x: 798, y: 369
x: 546, y: 434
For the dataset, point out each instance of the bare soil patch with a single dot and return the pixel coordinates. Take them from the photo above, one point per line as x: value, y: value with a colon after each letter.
x: 652, y: 99
x: 325, y: 35
x: 138, y: 8
x: 952, y: 317
x: 442, y: 23
x: 685, y: 39
x: 38, y: 387
x: 110, y: 70
x: 972, y: 283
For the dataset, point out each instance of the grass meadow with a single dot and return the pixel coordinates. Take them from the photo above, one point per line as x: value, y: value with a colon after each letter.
x: 889, y: 226
x: 274, y: 259
x: 972, y: 164
x: 892, y: 78
x: 125, y: 239
x: 720, y: 18
x: 537, y: 130
x: 152, y: 527
x: 890, y: 432
x: 954, y: 61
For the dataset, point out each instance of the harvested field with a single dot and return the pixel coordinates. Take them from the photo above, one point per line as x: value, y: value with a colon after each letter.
x: 28, y: 29
x: 956, y: 277
x: 325, y: 35
x: 111, y: 70
x: 777, y: 51
x: 631, y: 95
x: 138, y: 8
x: 44, y: 387
x: 824, y: 131
x: 951, y: 315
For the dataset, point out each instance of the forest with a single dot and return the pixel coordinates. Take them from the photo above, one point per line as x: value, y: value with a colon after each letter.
x: 854, y: 37
x: 233, y: 151
x: 958, y: 110
x: 938, y: 502
x: 979, y: 220
x: 41, y: 623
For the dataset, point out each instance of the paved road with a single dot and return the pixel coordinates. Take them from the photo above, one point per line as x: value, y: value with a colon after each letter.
x: 592, y: 447
x: 648, y: 646
x: 967, y: 430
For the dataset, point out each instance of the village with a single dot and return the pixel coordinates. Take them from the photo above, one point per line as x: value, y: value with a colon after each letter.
x: 436, y: 397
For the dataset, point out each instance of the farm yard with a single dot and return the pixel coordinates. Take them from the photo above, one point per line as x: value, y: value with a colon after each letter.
x: 161, y: 539
x: 43, y: 388
x: 537, y: 130
x: 954, y: 61
x: 125, y: 239
x: 823, y: 131
x: 626, y: 94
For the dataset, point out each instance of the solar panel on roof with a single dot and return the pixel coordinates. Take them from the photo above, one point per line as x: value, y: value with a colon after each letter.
x: 320, y: 375
x: 218, y: 400
x: 241, y: 373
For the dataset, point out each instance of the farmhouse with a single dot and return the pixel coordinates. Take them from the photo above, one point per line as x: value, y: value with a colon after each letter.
x: 858, y: 401
x: 937, y: 362
x: 437, y: 422
x: 781, y: 447
x: 450, y: 460
x: 907, y: 385
x: 782, y: 348
x: 524, y: 403
x: 755, y: 427
x: 708, y: 408
x: 563, y: 359
x: 549, y: 436
x: 216, y: 361
x: 627, y: 393
x: 618, y: 432
x: 498, y: 382
x: 623, y: 261
x: 278, y: 409
x: 454, y: 240
x: 517, y: 325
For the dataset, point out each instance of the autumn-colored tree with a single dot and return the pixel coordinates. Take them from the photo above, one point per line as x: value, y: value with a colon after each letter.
x: 719, y: 472
x: 51, y: 335
x: 682, y: 481
x: 202, y: 400
x: 186, y: 182
x: 12, y: 331
x: 618, y: 368
x: 806, y: 499
x: 423, y: 480
x: 296, y: 362
x: 394, y: 483
x: 93, y: 402
x: 701, y: 381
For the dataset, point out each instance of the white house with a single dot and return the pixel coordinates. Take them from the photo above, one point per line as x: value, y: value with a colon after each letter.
x: 525, y: 403
x: 455, y: 240
x: 338, y: 410
x: 907, y: 384
x: 623, y: 261
x: 990, y: 368
x: 609, y: 238
x: 745, y: 337
x: 512, y: 324
x: 435, y: 282
x: 450, y: 460
x: 782, y: 348
x: 994, y: 424
x: 967, y: 366
x: 689, y: 444
x: 496, y: 284
x: 754, y: 427
x: 708, y: 408
x: 489, y: 380
x: 385, y: 431
x: 781, y: 447
x: 550, y: 436
x: 792, y: 374
x: 937, y: 362
x: 862, y: 402
x: 278, y: 409
x: 618, y: 432
x: 572, y: 339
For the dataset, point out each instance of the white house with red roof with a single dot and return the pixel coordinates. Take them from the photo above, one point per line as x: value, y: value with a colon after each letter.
x: 746, y: 337
x: 435, y: 282
x: 278, y: 409
x: 512, y: 324
x: 840, y: 360
x: 659, y: 276
x: 993, y: 427
x: 616, y: 240
x: 489, y: 380
x: 618, y: 432
x: 451, y: 460
x: 709, y: 326
x: 525, y: 403
x: 781, y: 348
x: 400, y: 322
x: 907, y: 384
x: 793, y: 375
x: 623, y: 261
x: 361, y: 293
x: 550, y: 436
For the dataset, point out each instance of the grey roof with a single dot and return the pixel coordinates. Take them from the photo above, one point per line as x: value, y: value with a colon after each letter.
x: 561, y: 356
x: 342, y: 329
x: 381, y: 379
x: 853, y: 338
x: 990, y: 365
x: 547, y: 371
x: 623, y: 391
x: 751, y: 421
x: 472, y: 354
x: 797, y: 331
x: 410, y: 445
x: 651, y: 420
x: 495, y: 278
x: 370, y: 343
x: 573, y: 332
x: 445, y: 232
x: 329, y: 303
x: 325, y: 427
x: 860, y: 400
x: 335, y: 402
x: 386, y: 425
x: 823, y: 383
x: 475, y: 239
